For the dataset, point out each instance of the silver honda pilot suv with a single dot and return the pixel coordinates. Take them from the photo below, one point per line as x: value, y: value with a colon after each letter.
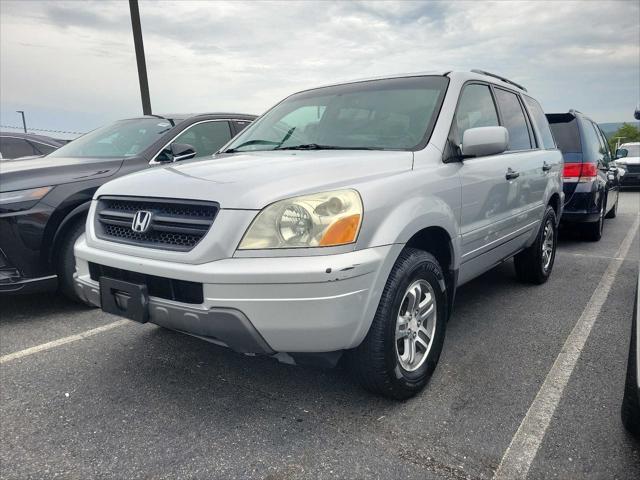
x: 340, y: 223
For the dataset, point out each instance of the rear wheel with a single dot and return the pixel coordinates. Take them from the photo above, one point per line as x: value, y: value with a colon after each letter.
x: 593, y: 230
x: 534, y: 264
x: 403, y: 345
x: 66, y: 261
x: 614, y: 211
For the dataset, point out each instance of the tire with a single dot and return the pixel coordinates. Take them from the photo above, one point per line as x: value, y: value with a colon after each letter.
x: 382, y: 362
x: 614, y: 211
x: 535, y: 263
x: 630, y: 411
x: 66, y: 261
x: 593, y: 231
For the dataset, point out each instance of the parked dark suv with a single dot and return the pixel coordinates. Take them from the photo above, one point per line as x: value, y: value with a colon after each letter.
x: 44, y: 202
x: 590, y: 176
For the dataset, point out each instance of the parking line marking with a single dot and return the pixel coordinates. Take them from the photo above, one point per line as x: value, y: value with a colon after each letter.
x: 61, y: 341
x: 522, y: 450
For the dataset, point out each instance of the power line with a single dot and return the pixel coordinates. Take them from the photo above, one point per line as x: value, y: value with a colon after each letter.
x: 42, y: 129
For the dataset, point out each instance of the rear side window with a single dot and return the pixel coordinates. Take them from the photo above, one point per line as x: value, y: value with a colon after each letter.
x: 475, y: 109
x: 540, y: 122
x: 604, y: 144
x: 591, y: 142
x: 565, y: 130
x: 16, y: 147
x: 514, y: 120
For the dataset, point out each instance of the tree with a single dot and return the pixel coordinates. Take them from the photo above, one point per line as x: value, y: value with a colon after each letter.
x: 628, y: 131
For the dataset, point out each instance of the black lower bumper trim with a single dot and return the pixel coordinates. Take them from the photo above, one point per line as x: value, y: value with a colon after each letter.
x: 30, y: 285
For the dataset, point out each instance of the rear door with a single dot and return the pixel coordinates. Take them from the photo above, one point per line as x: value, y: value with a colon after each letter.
x: 526, y: 159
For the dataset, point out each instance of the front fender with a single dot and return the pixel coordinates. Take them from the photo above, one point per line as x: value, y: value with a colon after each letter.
x: 413, y: 215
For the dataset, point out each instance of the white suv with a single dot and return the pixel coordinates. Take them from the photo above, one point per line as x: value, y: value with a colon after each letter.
x: 341, y: 221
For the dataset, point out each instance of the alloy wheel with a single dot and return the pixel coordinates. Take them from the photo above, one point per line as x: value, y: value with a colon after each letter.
x: 416, y: 325
x: 547, y: 245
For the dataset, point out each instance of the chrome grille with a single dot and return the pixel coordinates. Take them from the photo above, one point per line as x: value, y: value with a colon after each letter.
x: 175, y: 224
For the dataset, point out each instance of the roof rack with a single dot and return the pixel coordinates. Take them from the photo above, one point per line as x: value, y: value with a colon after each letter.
x: 506, y: 80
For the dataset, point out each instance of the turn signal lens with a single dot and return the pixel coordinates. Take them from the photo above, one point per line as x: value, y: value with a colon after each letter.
x: 343, y: 231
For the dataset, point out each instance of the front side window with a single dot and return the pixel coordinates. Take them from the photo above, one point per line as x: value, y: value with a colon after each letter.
x: 44, y: 149
x: 541, y: 123
x: 475, y: 109
x: 394, y: 114
x: 206, y: 138
x: 125, y: 138
x: 513, y: 119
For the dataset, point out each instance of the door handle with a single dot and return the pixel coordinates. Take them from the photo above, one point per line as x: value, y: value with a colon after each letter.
x: 511, y: 174
x: 546, y: 167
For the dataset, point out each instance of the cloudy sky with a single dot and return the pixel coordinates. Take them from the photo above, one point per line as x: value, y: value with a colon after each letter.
x: 71, y: 65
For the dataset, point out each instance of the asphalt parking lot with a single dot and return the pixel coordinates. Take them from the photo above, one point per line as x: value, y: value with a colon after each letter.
x: 137, y: 401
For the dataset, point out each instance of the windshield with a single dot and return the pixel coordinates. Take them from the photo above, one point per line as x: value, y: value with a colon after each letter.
x: 124, y: 138
x: 393, y: 114
x: 629, y: 151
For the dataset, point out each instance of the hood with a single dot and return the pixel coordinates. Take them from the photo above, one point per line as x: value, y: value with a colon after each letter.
x: 20, y: 174
x: 253, y: 180
x: 629, y: 160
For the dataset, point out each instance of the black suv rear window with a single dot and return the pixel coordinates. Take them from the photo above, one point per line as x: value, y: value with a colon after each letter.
x: 565, y: 130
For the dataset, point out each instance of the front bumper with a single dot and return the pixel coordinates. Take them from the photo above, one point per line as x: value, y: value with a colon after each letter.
x: 263, y: 305
x: 23, y: 264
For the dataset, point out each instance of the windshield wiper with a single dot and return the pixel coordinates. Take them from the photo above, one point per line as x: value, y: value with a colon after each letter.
x: 250, y: 142
x: 316, y: 146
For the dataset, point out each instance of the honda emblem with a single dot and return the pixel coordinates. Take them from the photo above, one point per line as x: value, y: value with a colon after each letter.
x: 141, y: 221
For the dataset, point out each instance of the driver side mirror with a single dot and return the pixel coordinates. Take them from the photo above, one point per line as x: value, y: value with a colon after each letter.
x: 182, y: 151
x: 483, y: 141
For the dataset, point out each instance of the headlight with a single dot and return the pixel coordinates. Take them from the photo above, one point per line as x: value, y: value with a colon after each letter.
x: 23, y: 196
x: 318, y: 220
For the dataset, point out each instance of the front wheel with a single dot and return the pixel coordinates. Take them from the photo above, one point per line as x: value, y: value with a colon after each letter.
x: 534, y: 264
x: 403, y: 345
x: 66, y: 261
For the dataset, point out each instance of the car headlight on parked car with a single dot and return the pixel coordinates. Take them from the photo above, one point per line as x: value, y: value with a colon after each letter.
x: 22, y: 199
x: 318, y: 220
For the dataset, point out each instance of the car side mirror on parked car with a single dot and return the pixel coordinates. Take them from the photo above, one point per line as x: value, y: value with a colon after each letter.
x: 483, y: 141
x: 182, y: 151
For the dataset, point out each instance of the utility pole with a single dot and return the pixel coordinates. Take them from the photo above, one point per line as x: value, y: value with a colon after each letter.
x: 618, y: 141
x: 24, y: 123
x: 142, y: 65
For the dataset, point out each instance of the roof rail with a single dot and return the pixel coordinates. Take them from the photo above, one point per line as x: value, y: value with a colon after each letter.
x: 506, y: 80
